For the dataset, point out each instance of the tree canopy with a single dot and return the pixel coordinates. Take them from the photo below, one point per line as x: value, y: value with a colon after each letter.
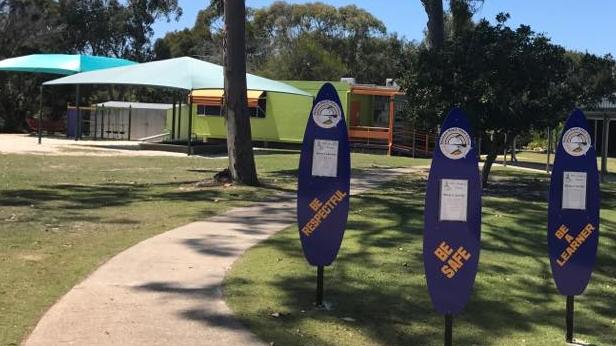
x: 508, y: 80
x: 99, y: 27
x: 312, y: 41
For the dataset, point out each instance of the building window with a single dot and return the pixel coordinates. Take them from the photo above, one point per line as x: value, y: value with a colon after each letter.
x: 259, y: 110
x: 381, y: 111
x: 205, y: 110
x: 254, y: 112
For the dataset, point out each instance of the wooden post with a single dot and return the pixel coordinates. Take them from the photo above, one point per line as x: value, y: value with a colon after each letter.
x: 392, y: 112
x: 605, y: 146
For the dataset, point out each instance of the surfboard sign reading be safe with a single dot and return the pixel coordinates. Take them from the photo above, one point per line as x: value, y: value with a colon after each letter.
x: 573, y: 211
x: 324, y: 178
x: 452, y: 217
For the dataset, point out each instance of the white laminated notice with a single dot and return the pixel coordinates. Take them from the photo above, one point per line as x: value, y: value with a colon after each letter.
x: 325, y: 158
x: 574, y: 190
x: 454, y: 200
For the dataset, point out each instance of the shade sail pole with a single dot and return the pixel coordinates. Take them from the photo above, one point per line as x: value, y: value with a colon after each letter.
x: 40, y: 119
x: 179, y: 136
x: 173, y: 120
x: 103, y: 122
x: 190, y: 112
x: 130, y: 120
x: 78, y: 118
x: 95, y: 122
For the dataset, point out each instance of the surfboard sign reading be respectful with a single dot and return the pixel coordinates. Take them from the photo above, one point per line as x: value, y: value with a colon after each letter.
x: 324, y: 179
x: 573, y: 211
x: 452, y: 217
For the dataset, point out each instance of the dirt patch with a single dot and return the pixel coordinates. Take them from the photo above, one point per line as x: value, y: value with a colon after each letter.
x: 27, y: 144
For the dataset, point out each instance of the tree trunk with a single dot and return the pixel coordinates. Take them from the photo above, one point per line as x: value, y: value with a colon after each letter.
x: 495, y: 145
x: 514, y: 154
x: 239, y: 136
x: 461, y: 15
x: 436, y: 28
x: 487, y: 165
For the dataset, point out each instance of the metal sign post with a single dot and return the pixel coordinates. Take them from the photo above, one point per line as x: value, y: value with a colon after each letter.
x: 319, y: 301
x: 324, y: 180
x: 452, y: 219
x: 569, y: 319
x: 573, y: 213
x: 448, y: 330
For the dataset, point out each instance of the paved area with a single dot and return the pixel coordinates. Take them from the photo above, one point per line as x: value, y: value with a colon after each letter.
x: 167, y: 290
x: 514, y: 166
x: 26, y: 144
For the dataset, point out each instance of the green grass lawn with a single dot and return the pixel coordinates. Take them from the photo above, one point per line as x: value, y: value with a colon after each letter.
x: 377, y: 286
x: 63, y: 216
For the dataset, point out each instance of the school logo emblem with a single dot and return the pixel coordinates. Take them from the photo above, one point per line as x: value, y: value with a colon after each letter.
x: 576, y: 141
x: 327, y: 114
x: 455, y: 143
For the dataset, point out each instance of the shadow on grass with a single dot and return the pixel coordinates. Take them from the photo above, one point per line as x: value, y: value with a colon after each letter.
x: 100, y: 203
x: 378, y: 276
x: 527, y: 164
x: 206, y: 314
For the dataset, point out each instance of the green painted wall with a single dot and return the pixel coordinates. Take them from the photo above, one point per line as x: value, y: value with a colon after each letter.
x: 285, y: 118
x: 313, y: 88
x: 183, y: 122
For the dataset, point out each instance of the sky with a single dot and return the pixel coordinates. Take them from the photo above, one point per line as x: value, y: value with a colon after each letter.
x: 582, y: 25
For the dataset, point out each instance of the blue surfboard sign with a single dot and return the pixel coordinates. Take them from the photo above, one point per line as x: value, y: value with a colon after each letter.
x: 452, y: 217
x: 324, y: 179
x: 573, y: 211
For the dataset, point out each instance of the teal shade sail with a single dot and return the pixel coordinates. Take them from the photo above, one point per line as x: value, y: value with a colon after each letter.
x: 62, y: 64
x: 179, y: 73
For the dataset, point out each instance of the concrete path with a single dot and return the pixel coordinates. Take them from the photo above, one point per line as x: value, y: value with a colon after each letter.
x: 167, y: 290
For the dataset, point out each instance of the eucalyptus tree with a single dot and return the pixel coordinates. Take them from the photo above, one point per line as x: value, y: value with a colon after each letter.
x: 239, y: 137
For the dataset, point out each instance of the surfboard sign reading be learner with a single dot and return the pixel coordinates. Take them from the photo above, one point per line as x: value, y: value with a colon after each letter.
x: 573, y: 211
x: 324, y: 180
x: 452, y: 217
